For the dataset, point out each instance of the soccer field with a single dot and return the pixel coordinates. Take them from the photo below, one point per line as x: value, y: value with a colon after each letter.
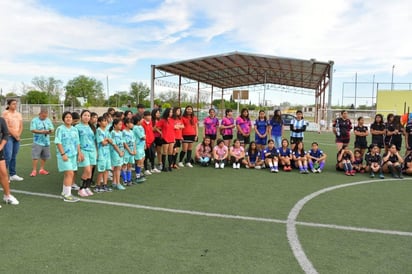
x: 203, y: 220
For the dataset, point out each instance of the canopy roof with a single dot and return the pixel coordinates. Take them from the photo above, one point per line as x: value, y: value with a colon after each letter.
x: 238, y: 69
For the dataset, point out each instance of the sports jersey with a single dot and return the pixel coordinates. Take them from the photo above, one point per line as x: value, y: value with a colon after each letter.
x: 103, y: 151
x: 285, y: 152
x: 139, y: 136
x: 87, y: 137
x: 128, y: 138
x: 378, y: 138
x: 148, y: 130
x: 276, y: 127
x: 190, y: 125
x: 273, y: 152
x: 317, y: 154
x: 244, y: 124
x: 68, y: 138
x: 38, y: 124
x: 298, y: 153
x: 168, y: 129
x: 117, y: 137
x: 343, y: 128
x: 408, y: 130
x: 261, y: 126
x: 237, y: 151
x: 211, y: 125
x: 253, y: 155
x: 221, y: 151
x: 360, y: 141
x: 204, y: 151
x: 392, y: 158
x: 178, y: 131
x: 297, y: 128
x: 227, y: 122
x: 376, y: 158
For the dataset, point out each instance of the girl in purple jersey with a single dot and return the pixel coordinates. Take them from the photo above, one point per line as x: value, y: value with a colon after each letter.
x: 226, y: 127
x: 299, y: 156
x: 285, y: 155
x: 211, y: 124
x: 244, y: 126
x: 261, y: 130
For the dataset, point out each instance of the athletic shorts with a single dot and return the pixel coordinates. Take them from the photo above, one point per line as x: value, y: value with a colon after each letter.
x: 90, y: 158
x: 116, y: 159
x: 139, y: 154
x: 158, y: 141
x: 128, y: 158
x: 178, y: 143
x: 211, y: 136
x: 261, y: 141
x: 40, y: 152
x: 294, y: 140
x: 243, y: 139
x: 189, y: 138
x: 361, y: 144
x: 69, y: 165
x: 104, y: 164
x: 227, y: 137
x: 2, y: 155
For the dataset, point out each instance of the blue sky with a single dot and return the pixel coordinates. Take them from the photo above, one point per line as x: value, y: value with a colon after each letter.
x: 121, y: 39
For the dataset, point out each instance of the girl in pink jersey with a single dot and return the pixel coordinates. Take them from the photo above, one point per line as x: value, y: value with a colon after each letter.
x: 220, y: 154
x: 237, y: 154
x: 244, y: 127
x: 227, y: 126
x: 211, y: 124
x: 203, y: 152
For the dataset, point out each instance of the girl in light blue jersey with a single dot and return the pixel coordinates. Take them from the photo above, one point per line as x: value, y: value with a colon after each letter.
x: 104, y: 163
x: 129, y: 151
x: 117, y: 152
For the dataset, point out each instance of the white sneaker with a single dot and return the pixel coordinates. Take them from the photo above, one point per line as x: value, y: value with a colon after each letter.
x: 75, y: 187
x: 216, y: 165
x: 180, y: 164
x: 189, y: 164
x: 16, y: 178
x: 10, y: 200
x: 234, y: 165
x: 258, y: 167
x: 222, y: 165
x: 238, y: 166
x: 147, y: 172
x: 89, y: 191
x: 82, y: 193
x: 155, y: 170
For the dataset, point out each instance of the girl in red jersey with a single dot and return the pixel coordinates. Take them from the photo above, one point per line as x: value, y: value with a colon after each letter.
x: 166, y: 127
x: 190, y: 133
x: 158, y: 137
x: 150, y: 144
x: 177, y: 111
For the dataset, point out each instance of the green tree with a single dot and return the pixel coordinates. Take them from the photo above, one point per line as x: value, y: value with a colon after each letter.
x: 120, y: 98
x: 139, y: 92
x: 86, y: 87
x: 51, y: 86
x: 35, y: 97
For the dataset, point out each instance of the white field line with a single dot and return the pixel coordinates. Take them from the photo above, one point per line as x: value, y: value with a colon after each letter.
x: 224, y: 216
x: 291, y: 223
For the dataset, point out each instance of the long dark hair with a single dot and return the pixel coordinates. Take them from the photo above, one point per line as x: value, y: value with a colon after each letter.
x: 166, y: 113
x: 153, y: 114
x: 249, y: 150
x: 175, y: 115
x: 114, y: 122
x: 241, y: 114
x: 187, y: 115
x: 209, y: 145
x: 378, y: 115
x: 276, y: 116
x: 9, y: 101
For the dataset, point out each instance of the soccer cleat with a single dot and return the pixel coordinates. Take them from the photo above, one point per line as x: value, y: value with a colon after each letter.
x: 155, y: 170
x: 301, y: 171
x: 140, y: 180
x: 347, y: 173
x: 180, y: 164
x: 372, y: 175
x: 285, y: 168
x: 10, y: 200
x: 222, y: 165
x: 272, y: 169
x: 82, y: 193
x: 106, y: 188
x: 275, y: 170
x: 216, y: 165
x: 98, y: 189
x: 234, y: 165
x: 381, y: 176
x: 147, y: 173
x: 33, y: 173
x: 75, y: 187
x: 319, y: 170
x: 188, y: 164
x: 120, y: 187
x: 313, y: 170
x: 16, y: 178
x: 43, y: 172
x: 70, y: 198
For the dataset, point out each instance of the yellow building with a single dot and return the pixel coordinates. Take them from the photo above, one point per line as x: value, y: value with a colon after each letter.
x: 393, y: 101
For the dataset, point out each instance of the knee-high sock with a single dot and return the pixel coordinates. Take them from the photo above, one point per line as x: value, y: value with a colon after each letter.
x: 170, y: 160
x: 182, y: 155
x: 189, y: 156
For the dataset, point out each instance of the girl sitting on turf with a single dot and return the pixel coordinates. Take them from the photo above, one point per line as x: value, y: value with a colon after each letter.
x: 271, y: 154
x: 129, y: 151
x: 345, y: 158
x: 237, y: 154
x: 407, y: 165
x: 117, y: 152
x: 285, y: 155
x: 392, y: 162
x: 253, y: 157
x: 203, y: 153
x: 220, y: 154
x: 299, y: 157
x: 358, y: 162
x: 316, y: 158
x: 374, y: 161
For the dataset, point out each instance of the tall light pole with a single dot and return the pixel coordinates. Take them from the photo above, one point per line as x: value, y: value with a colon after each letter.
x: 393, y: 68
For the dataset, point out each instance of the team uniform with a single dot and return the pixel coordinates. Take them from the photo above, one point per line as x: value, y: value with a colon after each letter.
x: 369, y: 158
x: 394, y: 139
x: 316, y: 154
x: 297, y: 129
x: 261, y: 127
x: 408, y: 131
x: 378, y: 139
x: 103, y: 151
x: 117, y: 137
x: 360, y: 141
x: 211, y: 125
x: 227, y: 133
x: 129, y: 140
x: 189, y: 131
x: 69, y: 139
x: 139, y: 137
x: 41, y: 142
x: 245, y: 125
x: 87, y: 145
x: 343, y: 128
x: 204, y: 153
x: 253, y: 156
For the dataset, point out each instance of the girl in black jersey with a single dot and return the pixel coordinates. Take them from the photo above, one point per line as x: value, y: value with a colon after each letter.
x: 392, y: 162
x: 374, y: 162
x: 407, y: 164
x: 345, y: 158
x: 361, y: 132
x: 378, y: 131
x: 394, y: 133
